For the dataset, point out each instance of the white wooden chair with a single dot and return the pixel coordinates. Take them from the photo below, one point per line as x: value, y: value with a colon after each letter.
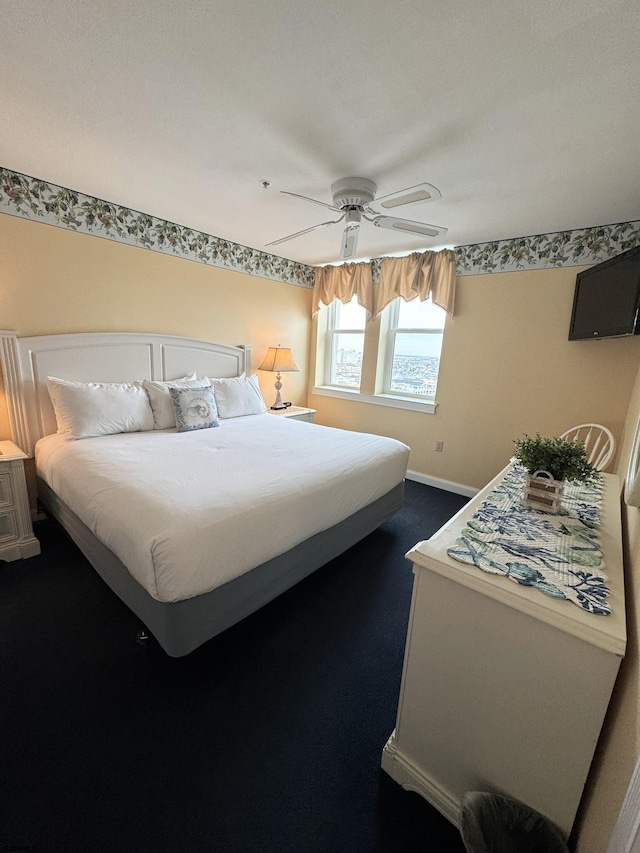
x: 598, y: 441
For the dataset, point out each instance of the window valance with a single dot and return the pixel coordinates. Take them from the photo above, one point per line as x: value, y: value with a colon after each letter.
x: 344, y: 282
x: 421, y: 274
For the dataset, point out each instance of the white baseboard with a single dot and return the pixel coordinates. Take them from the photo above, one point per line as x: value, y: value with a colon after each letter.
x: 438, y: 483
x: 412, y: 778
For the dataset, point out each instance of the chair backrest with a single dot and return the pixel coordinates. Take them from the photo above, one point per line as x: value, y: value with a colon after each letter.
x: 598, y: 441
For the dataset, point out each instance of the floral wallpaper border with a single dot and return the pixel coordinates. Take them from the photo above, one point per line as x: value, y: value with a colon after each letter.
x: 31, y: 198
x: 542, y: 251
x: 21, y: 195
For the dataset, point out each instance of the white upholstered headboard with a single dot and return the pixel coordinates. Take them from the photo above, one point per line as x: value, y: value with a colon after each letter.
x: 99, y: 357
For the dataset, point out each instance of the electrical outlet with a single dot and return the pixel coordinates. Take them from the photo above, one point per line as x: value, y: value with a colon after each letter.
x: 439, y: 446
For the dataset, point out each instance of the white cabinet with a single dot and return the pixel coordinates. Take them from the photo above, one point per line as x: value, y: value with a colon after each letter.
x: 296, y: 413
x: 504, y: 688
x: 16, y: 532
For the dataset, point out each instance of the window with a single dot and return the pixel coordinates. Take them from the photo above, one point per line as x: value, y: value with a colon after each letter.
x: 402, y: 352
x: 345, y: 344
x: 413, y: 354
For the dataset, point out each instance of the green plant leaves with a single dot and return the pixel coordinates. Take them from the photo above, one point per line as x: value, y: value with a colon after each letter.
x: 564, y: 460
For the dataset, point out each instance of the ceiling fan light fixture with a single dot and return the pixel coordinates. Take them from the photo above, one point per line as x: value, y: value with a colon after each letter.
x: 352, y: 219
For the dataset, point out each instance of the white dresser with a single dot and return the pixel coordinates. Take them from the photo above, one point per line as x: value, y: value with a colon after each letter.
x: 16, y: 532
x: 504, y: 688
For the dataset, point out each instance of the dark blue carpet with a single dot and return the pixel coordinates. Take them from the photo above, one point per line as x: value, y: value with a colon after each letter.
x: 267, y: 738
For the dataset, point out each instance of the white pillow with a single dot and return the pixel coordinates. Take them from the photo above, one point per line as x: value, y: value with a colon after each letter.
x: 164, y: 416
x: 238, y: 397
x: 85, y: 409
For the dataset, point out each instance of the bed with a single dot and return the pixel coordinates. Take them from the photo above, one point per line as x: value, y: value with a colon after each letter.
x: 194, y: 530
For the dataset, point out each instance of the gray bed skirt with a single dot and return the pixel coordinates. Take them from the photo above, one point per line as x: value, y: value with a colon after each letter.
x: 182, y: 626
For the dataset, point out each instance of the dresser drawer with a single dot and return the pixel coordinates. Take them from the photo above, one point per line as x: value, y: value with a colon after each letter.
x: 6, y: 491
x: 307, y: 416
x: 8, y: 526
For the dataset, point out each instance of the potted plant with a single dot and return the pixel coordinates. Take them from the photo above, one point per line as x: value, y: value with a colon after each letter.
x: 549, y: 463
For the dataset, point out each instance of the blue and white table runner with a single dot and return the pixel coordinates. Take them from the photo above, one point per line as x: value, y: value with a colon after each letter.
x: 558, y: 554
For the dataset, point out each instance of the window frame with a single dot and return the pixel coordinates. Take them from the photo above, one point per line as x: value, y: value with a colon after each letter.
x: 333, y: 335
x: 387, y: 368
x: 376, y: 347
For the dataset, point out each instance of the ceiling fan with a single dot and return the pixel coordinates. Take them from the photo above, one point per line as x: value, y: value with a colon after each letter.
x: 353, y: 197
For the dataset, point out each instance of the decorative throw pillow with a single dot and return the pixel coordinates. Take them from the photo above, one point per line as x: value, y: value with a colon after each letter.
x: 85, y: 409
x: 237, y: 397
x: 160, y: 398
x: 195, y: 408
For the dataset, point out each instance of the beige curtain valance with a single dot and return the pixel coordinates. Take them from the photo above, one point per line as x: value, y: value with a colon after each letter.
x: 421, y: 274
x: 343, y: 283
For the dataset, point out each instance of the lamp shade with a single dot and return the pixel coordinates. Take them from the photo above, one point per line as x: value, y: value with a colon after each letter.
x: 279, y: 360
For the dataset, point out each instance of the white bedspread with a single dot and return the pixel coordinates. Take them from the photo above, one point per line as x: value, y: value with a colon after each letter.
x: 187, y: 512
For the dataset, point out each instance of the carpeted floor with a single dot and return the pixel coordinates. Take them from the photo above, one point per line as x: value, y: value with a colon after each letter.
x: 267, y: 738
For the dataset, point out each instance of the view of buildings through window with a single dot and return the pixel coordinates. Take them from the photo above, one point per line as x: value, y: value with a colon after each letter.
x: 348, y: 360
x: 416, y: 330
x: 348, y: 323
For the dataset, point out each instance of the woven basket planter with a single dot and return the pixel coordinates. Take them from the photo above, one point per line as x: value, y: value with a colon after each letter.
x: 541, y: 491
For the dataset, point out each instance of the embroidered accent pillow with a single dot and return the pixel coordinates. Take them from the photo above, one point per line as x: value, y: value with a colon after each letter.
x: 238, y: 397
x: 195, y: 408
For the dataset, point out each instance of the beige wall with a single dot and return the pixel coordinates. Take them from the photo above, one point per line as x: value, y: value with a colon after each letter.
x: 53, y: 280
x: 507, y: 368
x: 619, y: 745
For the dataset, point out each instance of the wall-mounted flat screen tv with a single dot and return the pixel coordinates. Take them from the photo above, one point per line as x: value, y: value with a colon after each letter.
x: 605, y: 301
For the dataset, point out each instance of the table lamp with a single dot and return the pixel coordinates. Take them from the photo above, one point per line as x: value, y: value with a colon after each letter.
x: 278, y: 360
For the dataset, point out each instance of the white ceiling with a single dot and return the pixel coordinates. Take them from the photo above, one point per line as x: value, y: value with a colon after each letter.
x: 526, y: 115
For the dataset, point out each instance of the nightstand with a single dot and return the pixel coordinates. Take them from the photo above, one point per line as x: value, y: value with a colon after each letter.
x: 16, y: 531
x: 297, y: 413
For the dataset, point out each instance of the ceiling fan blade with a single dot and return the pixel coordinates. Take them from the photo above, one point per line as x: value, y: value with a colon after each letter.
x: 349, y: 242
x: 410, y: 227
x: 304, y: 231
x: 412, y: 195
x: 314, y: 200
